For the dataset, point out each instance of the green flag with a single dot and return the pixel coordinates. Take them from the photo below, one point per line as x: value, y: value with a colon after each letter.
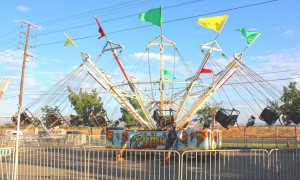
x: 153, y: 16
x: 250, y: 36
x: 168, y: 74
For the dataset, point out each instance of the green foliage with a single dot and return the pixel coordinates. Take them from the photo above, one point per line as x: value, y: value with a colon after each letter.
x: 83, y: 103
x: 290, y: 100
x: 206, y: 113
x: 127, y: 117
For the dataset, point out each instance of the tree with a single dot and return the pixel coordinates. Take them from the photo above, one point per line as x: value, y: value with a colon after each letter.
x: 84, y: 103
x: 127, y: 117
x: 290, y: 100
x: 206, y: 113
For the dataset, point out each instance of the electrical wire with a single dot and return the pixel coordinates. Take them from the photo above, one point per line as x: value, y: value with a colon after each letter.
x: 165, y: 22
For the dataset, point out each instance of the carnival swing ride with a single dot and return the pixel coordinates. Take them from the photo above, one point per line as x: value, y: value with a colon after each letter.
x: 170, y: 95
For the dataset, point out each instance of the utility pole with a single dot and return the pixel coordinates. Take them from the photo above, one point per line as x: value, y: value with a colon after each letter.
x: 25, y: 57
x: 29, y: 25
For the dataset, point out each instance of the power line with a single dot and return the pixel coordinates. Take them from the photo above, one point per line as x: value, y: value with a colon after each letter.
x: 8, y: 40
x: 115, y: 19
x: 115, y: 7
x: 89, y: 12
x: 225, y: 10
x: 9, y: 32
x: 139, y: 27
x: 166, y: 22
x: 8, y: 47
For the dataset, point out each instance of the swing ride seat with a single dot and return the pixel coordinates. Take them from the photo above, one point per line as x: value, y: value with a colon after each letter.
x: 166, y: 121
x: 99, y: 119
x: 295, y: 117
x: 269, y: 116
x: 226, y: 119
x: 53, y: 120
x: 163, y: 121
x: 25, y: 119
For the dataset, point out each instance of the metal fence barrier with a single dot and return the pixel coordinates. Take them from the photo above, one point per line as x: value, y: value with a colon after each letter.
x: 94, y: 163
x: 225, y: 164
x: 284, y: 164
x: 135, y: 164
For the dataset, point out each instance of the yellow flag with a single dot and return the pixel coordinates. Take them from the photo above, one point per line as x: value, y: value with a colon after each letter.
x: 215, y: 23
x: 69, y: 41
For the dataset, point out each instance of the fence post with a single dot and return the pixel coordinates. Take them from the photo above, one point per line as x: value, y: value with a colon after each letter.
x: 296, y: 143
x: 269, y: 164
x: 245, y: 137
x: 86, y: 163
x: 276, y: 138
x: 90, y: 138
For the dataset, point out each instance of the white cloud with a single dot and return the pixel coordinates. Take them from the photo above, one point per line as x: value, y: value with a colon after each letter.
x: 286, y: 31
x: 154, y: 56
x: 281, y: 65
x: 12, y: 60
x: 22, y: 8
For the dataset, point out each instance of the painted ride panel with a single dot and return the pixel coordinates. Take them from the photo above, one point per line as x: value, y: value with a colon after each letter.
x: 187, y: 139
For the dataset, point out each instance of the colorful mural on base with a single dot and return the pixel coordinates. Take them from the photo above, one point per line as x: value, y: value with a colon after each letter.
x: 187, y: 139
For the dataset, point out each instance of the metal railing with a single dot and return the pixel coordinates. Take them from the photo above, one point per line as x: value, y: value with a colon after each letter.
x: 85, y: 163
x: 225, y: 164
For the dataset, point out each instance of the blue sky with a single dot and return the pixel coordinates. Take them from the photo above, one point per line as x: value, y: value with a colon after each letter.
x: 275, y: 54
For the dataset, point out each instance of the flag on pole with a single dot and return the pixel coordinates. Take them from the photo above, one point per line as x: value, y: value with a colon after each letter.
x: 168, y: 74
x: 69, y: 41
x: 250, y: 36
x: 215, y: 23
x: 101, y: 30
x: 206, y: 71
x: 153, y: 16
x: 3, y: 87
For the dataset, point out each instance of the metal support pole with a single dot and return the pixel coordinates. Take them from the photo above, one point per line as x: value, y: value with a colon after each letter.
x: 15, y: 176
x: 245, y: 137
x: 296, y: 143
x: 276, y: 137
x: 17, y: 145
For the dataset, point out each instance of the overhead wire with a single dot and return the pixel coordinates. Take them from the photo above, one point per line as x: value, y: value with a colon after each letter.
x: 113, y: 11
x: 165, y: 22
x: 116, y: 7
x: 85, y: 13
x: 10, y: 32
x: 117, y: 18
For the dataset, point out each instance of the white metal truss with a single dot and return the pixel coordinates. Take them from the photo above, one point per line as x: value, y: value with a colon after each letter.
x: 215, y: 85
x: 195, y: 78
x: 102, y: 79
